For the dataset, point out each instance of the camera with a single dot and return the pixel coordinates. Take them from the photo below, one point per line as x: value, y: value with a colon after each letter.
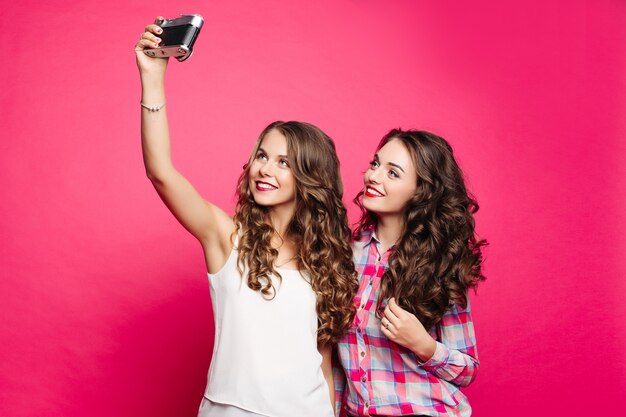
x: 178, y: 37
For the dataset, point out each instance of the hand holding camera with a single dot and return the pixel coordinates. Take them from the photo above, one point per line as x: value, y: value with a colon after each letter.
x: 177, y: 37
x: 167, y: 38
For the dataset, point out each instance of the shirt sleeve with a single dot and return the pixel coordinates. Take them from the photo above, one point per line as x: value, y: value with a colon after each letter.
x: 456, y: 358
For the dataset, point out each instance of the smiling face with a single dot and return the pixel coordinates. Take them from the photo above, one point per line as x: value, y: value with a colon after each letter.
x: 271, y: 180
x: 390, y: 181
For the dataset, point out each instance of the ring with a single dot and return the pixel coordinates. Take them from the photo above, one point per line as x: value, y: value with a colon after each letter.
x: 387, y: 325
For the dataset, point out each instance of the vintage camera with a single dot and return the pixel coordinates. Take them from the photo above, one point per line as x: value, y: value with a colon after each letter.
x: 178, y: 37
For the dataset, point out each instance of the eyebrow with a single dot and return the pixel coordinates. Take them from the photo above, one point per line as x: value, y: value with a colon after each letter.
x: 265, y: 152
x: 389, y: 163
x: 396, y: 165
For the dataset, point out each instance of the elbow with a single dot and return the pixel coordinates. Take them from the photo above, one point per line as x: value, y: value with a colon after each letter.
x: 152, y: 176
x: 470, y: 376
x: 159, y: 173
x: 155, y: 178
x: 466, y: 382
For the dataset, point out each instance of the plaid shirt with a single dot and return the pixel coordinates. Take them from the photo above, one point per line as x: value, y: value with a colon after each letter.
x: 384, y: 378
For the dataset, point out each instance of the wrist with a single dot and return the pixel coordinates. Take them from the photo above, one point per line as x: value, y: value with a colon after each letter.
x: 152, y: 91
x: 152, y: 78
x: 152, y: 82
x: 425, y: 349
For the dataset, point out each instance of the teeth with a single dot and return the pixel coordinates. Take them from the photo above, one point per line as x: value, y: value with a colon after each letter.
x: 373, y: 191
x: 265, y: 186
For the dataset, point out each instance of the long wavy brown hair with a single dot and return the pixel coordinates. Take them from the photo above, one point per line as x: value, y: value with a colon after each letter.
x: 319, y: 229
x: 438, y: 256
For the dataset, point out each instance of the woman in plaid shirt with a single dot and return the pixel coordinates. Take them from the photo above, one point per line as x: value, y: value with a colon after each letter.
x: 412, y: 344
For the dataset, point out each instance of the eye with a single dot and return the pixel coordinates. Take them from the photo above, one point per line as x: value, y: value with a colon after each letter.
x: 283, y: 162
x: 373, y: 164
x: 393, y: 174
x: 261, y: 156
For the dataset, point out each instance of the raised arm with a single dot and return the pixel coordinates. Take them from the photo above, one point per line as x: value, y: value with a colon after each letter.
x: 207, y: 222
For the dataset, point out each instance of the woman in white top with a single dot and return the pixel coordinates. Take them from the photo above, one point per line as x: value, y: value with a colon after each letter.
x: 281, y: 272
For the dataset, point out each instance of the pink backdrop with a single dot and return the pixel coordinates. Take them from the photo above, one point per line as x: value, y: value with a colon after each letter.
x: 104, y: 298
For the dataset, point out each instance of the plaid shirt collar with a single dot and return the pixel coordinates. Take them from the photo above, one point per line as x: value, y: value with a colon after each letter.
x: 368, y: 236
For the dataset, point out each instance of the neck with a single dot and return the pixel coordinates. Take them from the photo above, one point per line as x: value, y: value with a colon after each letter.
x: 279, y: 218
x: 389, y: 230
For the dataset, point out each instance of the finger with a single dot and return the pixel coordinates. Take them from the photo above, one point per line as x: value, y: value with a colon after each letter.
x: 389, y: 315
x: 395, y: 308
x: 145, y: 43
x: 151, y: 37
x: 154, y: 28
x: 387, y: 332
x: 386, y: 323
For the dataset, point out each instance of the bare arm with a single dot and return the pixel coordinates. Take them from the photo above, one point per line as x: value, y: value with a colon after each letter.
x: 327, y: 370
x: 207, y: 222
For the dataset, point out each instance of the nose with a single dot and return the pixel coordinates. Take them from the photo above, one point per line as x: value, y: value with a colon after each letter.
x: 266, y: 169
x: 373, y: 175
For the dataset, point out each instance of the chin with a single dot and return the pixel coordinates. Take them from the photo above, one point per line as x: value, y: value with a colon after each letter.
x: 369, y: 203
x: 264, y: 201
x: 377, y: 208
x: 261, y: 201
x: 257, y: 198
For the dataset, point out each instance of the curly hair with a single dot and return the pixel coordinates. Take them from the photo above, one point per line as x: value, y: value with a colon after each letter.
x: 319, y: 229
x: 438, y: 256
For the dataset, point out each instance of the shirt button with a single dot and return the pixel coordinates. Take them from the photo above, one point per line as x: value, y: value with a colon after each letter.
x: 358, y: 330
x: 364, y: 379
x: 367, y: 404
x: 362, y: 353
x: 363, y: 305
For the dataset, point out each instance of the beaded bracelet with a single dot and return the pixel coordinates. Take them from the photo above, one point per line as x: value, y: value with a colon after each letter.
x: 152, y: 108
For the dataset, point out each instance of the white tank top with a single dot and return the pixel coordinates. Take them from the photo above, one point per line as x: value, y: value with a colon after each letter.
x: 265, y: 357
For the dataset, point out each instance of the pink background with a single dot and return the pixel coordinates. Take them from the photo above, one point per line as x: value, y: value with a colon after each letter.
x: 104, y: 301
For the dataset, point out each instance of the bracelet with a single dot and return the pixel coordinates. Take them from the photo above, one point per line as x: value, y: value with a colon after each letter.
x: 152, y: 108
